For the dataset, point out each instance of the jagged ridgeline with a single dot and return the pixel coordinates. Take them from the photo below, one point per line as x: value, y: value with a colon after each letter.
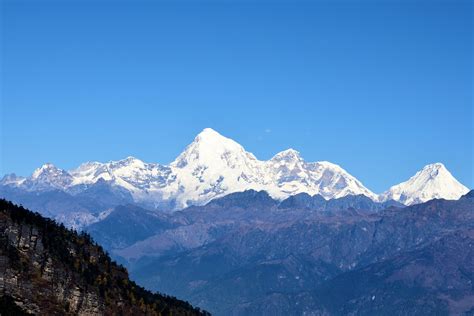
x: 48, y: 269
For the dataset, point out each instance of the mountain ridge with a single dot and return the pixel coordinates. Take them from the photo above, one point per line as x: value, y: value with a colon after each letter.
x: 214, y: 165
x: 433, y: 181
x: 47, y: 269
x: 241, y: 255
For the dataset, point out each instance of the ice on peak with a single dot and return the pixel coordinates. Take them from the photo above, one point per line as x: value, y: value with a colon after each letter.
x: 11, y: 178
x: 287, y: 155
x: 210, y: 138
x: 210, y: 135
x: 209, y: 132
x: 89, y: 167
x: 208, y: 148
x: 432, y: 181
x: 431, y: 171
x: 131, y: 158
x: 48, y: 176
x: 290, y: 151
x: 329, y: 165
x: 47, y: 167
x: 89, y: 164
x: 213, y: 165
x: 435, y: 165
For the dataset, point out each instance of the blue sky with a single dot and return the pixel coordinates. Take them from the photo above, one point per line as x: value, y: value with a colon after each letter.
x: 380, y: 87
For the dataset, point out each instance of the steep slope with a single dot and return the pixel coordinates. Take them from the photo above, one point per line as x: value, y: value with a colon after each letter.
x: 213, y: 165
x: 49, y: 270
x: 126, y: 225
x: 434, y: 181
x: 48, y: 176
x: 438, y: 277
x: 292, y: 175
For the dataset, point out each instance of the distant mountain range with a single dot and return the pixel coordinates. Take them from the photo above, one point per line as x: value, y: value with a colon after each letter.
x: 240, y: 236
x: 213, y: 166
x: 249, y: 254
x: 246, y: 254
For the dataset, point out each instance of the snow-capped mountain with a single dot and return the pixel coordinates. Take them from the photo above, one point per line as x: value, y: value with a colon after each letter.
x: 214, y: 165
x: 293, y: 175
x: 434, y: 181
x: 48, y: 176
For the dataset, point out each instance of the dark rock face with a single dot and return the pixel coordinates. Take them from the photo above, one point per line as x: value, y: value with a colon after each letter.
x: 49, y: 270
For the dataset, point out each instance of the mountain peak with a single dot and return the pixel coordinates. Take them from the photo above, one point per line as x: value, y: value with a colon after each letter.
x: 209, y: 147
x: 213, y: 165
x: 46, y: 168
x: 434, y: 167
x: 210, y: 135
x: 131, y: 158
x: 209, y: 132
x: 12, y: 179
x: 211, y: 140
x: 129, y: 161
x: 434, y: 170
x: 49, y: 176
x: 434, y: 181
x: 287, y: 155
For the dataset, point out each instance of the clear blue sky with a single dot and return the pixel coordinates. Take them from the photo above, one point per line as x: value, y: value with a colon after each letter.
x: 380, y: 87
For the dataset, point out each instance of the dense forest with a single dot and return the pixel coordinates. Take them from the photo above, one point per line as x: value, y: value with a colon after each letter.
x: 49, y: 269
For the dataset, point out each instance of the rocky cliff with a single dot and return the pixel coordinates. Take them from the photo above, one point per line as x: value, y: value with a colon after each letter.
x: 47, y: 269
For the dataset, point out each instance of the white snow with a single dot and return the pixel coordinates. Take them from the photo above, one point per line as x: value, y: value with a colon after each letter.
x: 434, y: 181
x: 214, y: 165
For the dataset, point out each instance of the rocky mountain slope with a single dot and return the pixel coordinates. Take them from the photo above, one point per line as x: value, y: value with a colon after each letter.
x: 248, y: 254
x: 213, y: 166
x: 438, y: 277
x: 132, y: 233
x: 46, y: 269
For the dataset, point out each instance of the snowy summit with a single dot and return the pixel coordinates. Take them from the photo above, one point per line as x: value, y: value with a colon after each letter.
x: 214, y: 165
x: 434, y: 181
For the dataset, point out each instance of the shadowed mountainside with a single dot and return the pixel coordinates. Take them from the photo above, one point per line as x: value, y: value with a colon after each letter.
x: 47, y: 269
x: 255, y: 258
